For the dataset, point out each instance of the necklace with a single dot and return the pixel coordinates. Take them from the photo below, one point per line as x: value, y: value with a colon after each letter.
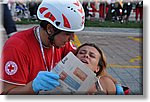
x: 37, y: 31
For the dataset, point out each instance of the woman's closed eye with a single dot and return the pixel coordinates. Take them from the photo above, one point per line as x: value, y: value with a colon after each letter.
x: 82, y: 52
x: 92, y: 55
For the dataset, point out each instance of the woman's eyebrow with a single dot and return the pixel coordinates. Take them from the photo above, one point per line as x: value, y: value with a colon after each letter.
x: 92, y: 53
x: 83, y: 50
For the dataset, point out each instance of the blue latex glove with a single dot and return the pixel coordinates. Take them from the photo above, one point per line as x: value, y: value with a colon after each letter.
x: 45, y: 81
x: 119, y: 90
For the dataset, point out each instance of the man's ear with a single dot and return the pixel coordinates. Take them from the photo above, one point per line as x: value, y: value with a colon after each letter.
x: 49, y: 28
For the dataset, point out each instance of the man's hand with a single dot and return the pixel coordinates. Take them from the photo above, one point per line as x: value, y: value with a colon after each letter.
x: 45, y: 81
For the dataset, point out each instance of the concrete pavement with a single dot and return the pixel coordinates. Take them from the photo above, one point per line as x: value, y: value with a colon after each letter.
x: 123, y: 49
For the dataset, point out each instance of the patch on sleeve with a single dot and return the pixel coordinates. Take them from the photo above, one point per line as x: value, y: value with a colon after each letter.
x: 11, y: 68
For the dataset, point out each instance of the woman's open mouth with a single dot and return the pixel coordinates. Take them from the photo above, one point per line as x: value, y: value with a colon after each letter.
x: 84, y: 61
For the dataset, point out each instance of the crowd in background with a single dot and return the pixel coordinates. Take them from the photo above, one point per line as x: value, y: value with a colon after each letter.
x: 115, y: 11
x: 23, y: 9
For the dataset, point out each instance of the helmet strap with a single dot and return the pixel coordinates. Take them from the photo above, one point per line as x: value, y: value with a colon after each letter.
x: 52, y: 36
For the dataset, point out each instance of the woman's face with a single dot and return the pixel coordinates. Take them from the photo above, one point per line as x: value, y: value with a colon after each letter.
x: 89, y: 56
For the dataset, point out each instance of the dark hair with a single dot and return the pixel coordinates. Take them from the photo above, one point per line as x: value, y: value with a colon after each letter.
x: 44, y: 24
x: 102, y: 61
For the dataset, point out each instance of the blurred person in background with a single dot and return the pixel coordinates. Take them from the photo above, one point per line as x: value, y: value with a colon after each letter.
x: 33, y: 6
x: 7, y: 20
x: 92, y: 10
x: 86, y: 9
x: 139, y: 11
x: 102, y: 11
x: 127, y: 7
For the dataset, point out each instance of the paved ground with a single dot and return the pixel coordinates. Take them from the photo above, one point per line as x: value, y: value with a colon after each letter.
x: 123, y: 48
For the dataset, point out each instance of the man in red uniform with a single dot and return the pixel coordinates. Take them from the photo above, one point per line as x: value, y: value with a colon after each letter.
x: 29, y: 56
x: 102, y: 11
x: 139, y: 11
x: 93, y: 9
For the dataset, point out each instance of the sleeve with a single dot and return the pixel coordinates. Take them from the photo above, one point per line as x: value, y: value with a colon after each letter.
x: 14, y: 66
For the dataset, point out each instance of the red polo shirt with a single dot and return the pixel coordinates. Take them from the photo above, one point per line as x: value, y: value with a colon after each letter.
x: 22, y: 57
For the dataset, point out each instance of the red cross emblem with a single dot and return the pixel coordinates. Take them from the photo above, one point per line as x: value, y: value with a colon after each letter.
x: 11, y: 68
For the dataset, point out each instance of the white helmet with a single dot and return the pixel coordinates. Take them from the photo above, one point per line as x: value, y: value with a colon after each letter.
x: 66, y: 15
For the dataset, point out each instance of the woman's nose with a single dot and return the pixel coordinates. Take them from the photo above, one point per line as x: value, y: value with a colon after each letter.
x: 86, y: 55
